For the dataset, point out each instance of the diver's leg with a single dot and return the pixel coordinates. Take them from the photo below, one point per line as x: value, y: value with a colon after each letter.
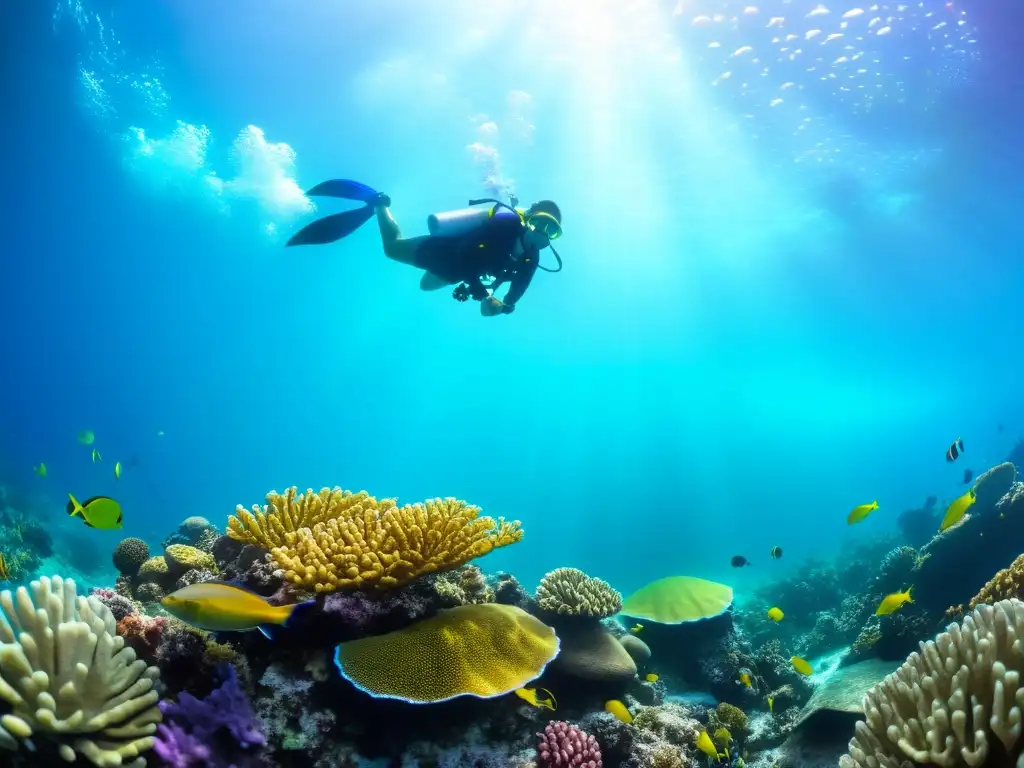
x: 431, y: 282
x: 395, y: 246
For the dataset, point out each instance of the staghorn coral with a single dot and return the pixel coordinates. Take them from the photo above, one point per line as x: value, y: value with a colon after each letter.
x: 1005, y: 584
x: 66, y: 675
x: 951, y: 704
x: 475, y: 650
x: 571, y: 592
x: 356, y: 542
x: 129, y: 555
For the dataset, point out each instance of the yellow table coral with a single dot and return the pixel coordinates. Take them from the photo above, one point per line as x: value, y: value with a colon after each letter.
x: 475, y: 650
x: 339, y: 540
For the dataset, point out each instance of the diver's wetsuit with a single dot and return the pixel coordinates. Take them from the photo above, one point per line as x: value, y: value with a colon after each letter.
x: 486, y: 250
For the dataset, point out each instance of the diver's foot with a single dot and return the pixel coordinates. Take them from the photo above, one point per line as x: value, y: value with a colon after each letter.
x: 381, y: 201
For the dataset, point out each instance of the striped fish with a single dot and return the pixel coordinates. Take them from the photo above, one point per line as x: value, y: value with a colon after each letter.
x: 955, y: 450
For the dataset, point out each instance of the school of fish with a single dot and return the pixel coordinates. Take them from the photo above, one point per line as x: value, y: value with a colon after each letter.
x: 796, y: 68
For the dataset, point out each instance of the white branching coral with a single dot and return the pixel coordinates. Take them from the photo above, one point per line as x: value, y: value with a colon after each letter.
x: 65, y: 675
x: 955, y: 703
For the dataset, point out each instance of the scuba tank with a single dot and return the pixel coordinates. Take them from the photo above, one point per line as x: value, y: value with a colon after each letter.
x: 455, y: 223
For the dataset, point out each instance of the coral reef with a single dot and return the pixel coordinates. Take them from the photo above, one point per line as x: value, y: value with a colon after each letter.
x: 338, y: 540
x: 193, y: 531
x: 66, y: 677
x: 474, y: 650
x: 571, y: 592
x: 1005, y: 584
x: 190, y: 731
x: 968, y: 674
x: 566, y: 745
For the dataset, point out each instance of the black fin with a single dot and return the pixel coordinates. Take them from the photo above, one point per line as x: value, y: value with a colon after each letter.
x: 344, y: 189
x: 89, y: 524
x: 331, y: 228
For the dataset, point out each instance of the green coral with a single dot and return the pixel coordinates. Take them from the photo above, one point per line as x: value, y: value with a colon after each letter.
x: 154, y: 569
x: 728, y: 716
x: 182, y: 557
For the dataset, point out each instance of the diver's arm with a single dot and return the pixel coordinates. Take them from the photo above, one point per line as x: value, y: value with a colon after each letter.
x: 518, y: 284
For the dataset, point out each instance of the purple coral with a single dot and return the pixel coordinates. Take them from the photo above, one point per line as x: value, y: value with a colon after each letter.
x: 187, y: 739
x: 562, y: 744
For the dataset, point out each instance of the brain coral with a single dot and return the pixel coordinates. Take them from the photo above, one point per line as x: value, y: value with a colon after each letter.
x: 570, y: 592
x: 481, y: 650
x: 955, y: 703
x: 337, y: 540
x: 129, y: 555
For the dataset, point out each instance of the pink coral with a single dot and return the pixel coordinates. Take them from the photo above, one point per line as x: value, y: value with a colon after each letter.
x: 562, y: 744
x: 143, y: 634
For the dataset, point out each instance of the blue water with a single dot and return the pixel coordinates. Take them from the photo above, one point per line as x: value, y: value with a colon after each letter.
x: 759, y: 326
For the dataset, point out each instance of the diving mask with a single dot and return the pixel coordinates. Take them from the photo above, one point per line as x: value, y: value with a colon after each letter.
x: 545, y: 223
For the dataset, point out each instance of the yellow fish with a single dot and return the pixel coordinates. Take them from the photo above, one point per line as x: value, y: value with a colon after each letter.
x: 5, y: 575
x: 96, y: 455
x: 861, y: 512
x: 40, y: 469
x: 775, y: 614
x: 97, y: 512
x: 86, y: 437
x: 529, y: 695
x: 618, y: 709
x: 636, y: 629
x: 651, y: 677
x: 892, y: 603
x: 771, y: 705
x: 745, y: 679
x: 956, y: 511
x: 117, y: 471
x: 722, y: 738
x: 801, y: 666
x: 219, y: 607
x: 706, y: 745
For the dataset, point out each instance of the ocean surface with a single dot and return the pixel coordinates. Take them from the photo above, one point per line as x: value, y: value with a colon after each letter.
x: 791, y: 244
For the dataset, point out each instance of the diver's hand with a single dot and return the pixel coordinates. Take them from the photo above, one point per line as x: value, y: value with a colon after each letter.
x: 491, y: 306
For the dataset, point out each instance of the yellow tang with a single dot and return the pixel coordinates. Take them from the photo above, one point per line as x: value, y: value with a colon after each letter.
x: 86, y: 437
x: 861, y: 512
x: 775, y: 614
x: 801, y: 666
x: 529, y: 695
x: 96, y: 455
x: 117, y: 471
x: 745, y: 679
x: 892, y: 603
x: 723, y: 737
x: 771, y: 705
x: 5, y: 575
x: 220, y: 607
x: 956, y: 511
x: 40, y: 469
x: 636, y: 628
x: 97, y: 512
x: 618, y: 709
x: 651, y: 677
x: 706, y: 745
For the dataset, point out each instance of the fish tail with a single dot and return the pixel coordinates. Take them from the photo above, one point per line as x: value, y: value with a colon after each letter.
x: 909, y: 598
x: 74, y: 508
x: 295, y: 612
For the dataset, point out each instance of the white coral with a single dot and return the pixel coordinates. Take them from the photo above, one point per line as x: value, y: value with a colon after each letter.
x: 65, y: 673
x: 952, y: 704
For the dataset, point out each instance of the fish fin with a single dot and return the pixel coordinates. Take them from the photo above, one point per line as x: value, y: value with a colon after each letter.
x: 120, y: 517
x: 345, y: 189
x: 73, y: 507
x: 552, y: 697
x: 331, y: 228
x: 88, y: 523
x: 91, y: 499
x: 266, y: 631
x: 297, y: 611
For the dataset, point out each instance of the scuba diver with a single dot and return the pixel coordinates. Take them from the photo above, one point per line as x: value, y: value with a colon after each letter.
x: 497, y: 243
